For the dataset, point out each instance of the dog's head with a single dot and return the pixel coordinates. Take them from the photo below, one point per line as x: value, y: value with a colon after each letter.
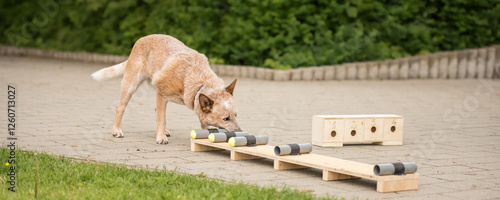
x: 217, y: 108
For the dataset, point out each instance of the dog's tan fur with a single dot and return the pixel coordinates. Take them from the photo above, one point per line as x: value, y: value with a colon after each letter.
x: 177, y: 72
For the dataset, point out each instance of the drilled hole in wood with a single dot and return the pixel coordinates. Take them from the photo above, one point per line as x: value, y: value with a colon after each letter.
x: 333, y: 133
x: 373, y: 129
x: 393, y: 128
x: 353, y: 132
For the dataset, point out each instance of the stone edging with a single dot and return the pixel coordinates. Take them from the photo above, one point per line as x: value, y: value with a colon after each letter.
x: 463, y: 64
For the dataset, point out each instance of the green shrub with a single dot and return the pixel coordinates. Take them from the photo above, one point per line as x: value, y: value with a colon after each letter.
x: 269, y: 33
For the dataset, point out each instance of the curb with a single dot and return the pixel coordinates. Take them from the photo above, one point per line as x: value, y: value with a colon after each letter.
x: 479, y: 63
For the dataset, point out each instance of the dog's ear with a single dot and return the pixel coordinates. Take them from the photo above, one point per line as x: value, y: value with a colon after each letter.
x: 206, y: 104
x: 230, y: 87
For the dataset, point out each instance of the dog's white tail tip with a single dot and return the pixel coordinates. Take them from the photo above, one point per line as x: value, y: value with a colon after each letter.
x: 98, y: 75
x: 108, y: 73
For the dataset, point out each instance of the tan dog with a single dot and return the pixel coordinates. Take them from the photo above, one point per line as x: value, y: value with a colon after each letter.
x: 180, y: 75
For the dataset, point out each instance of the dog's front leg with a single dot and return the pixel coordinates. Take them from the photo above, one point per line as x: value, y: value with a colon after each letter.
x: 161, y: 131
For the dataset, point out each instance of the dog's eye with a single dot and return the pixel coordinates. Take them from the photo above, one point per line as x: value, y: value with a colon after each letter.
x: 226, y: 119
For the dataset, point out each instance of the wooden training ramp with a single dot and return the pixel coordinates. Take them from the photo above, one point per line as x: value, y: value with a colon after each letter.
x: 333, y: 168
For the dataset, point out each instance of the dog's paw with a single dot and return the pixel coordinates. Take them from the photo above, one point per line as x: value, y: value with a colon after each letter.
x: 162, y: 140
x: 118, y: 133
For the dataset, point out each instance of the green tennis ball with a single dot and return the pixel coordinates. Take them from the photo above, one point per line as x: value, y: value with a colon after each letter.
x: 193, y: 134
x: 211, y: 137
x: 231, y: 142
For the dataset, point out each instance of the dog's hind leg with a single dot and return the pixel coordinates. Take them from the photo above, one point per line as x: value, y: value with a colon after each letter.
x: 162, y: 133
x: 130, y: 83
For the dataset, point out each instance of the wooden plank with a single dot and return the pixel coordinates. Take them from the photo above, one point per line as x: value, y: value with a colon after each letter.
x: 332, y: 164
x: 264, y: 151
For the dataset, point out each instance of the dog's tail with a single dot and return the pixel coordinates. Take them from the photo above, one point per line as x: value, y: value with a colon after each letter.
x: 108, y: 73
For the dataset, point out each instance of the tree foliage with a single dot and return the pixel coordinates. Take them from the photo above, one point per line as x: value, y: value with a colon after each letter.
x: 270, y: 33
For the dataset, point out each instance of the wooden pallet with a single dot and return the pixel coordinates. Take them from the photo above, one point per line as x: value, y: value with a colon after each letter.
x: 333, y: 168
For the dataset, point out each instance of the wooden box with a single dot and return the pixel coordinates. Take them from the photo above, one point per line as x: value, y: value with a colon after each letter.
x: 336, y: 130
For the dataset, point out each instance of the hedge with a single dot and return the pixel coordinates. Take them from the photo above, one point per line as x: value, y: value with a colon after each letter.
x: 276, y: 34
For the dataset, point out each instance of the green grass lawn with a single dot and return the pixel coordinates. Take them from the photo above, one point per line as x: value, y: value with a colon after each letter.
x: 66, y: 178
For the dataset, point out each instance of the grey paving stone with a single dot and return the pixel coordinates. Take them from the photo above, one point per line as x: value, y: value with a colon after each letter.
x: 429, y: 196
x: 470, y: 185
x: 65, y: 112
x: 475, y: 194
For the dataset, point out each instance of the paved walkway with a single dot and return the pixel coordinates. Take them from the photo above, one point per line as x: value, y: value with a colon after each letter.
x: 452, y: 128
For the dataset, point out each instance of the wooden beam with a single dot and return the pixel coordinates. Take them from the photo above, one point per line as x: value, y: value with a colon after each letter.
x: 199, y: 147
x: 280, y: 165
x: 332, y: 176
x: 410, y: 183
x: 243, y: 156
